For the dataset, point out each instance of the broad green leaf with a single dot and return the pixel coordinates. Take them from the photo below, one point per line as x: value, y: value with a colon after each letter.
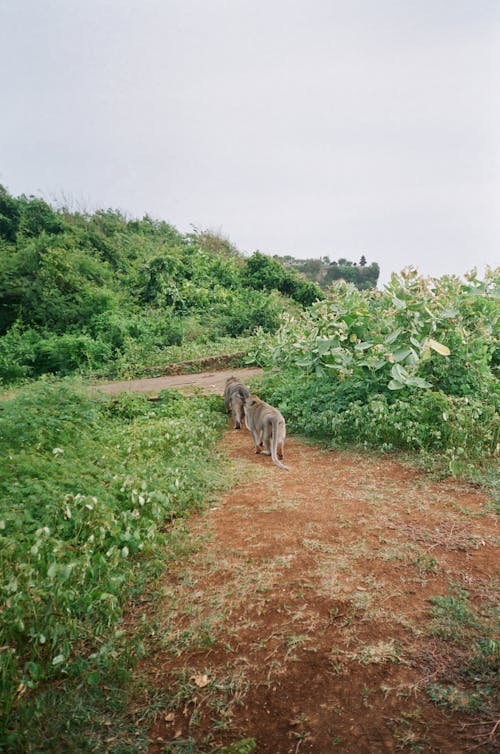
x: 52, y: 570
x: 418, y: 382
x: 413, y: 357
x: 323, y: 346
x: 393, y: 336
x: 395, y: 385
x: 398, y: 303
x: 363, y: 346
x: 400, y: 354
x: 399, y: 374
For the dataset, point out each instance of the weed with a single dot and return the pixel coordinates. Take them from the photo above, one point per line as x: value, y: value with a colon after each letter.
x: 245, y: 746
x: 411, y: 732
x: 452, y: 616
x: 379, y: 653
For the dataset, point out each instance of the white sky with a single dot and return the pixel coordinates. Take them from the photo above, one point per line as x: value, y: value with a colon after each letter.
x: 338, y: 127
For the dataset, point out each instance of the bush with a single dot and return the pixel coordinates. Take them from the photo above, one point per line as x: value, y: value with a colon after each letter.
x: 17, y: 354
x: 347, y: 412
x: 263, y: 273
x: 411, y: 367
x: 64, y: 354
x: 253, y: 309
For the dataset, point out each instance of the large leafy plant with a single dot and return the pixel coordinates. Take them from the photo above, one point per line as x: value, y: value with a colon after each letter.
x: 417, y: 333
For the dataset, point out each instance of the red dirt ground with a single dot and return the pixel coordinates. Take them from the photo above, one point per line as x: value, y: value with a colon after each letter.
x: 299, y: 612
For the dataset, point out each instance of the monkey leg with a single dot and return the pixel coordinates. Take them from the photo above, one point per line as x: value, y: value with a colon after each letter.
x: 256, y: 440
x: 266, y: 440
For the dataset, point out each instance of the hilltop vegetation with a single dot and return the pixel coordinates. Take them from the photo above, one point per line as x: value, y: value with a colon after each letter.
x: 324, y: 271
x: 100, y: 292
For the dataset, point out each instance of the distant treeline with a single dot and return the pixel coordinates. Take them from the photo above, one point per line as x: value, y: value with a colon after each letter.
x: 325, y: 272
x: 84, y: 291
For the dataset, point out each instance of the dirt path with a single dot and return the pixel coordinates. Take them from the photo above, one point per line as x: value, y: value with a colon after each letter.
x: 209, y: 382
x: 300, y: 613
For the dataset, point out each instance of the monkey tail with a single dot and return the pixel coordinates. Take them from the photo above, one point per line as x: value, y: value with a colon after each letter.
x: 274, y: 444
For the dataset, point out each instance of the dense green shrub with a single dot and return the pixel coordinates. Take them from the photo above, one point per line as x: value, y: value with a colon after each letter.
x: 410, y: 367
x: 136, y: 287
x: 264, y: 273
x: 64, y: 354
x: 17, y: 353
x: 252, y: 310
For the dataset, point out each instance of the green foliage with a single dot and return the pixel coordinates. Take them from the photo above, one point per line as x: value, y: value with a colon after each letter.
x: 9, y: 216
x: 453, y: 617
x: 46, y: 282
x: 99, y: 292
x: 252, y: 310
x: 471, y: 685
x: 86, y: 486
x: 245, y: 746
x: 324, y: 272
x: 411, y: 367
x: 264, y: 273
x: 364, y: 276
x: 17, y: 353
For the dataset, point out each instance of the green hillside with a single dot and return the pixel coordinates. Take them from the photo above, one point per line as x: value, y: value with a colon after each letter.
x: 103, y: 293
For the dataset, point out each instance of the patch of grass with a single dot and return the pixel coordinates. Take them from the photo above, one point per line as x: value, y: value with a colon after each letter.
x: 453, y: 617
x: 411, y: 732
x: 199, y: 694
x: 425, y: 563
x: 453, y: 698
x: 245, y: 746
x: 190, y: 746
x: 377, y: 654
x: 465, y: 680
x: 295, y: 642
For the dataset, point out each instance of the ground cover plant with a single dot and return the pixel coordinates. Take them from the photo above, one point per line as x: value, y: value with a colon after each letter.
x: 414, y: 366
x: 90, y: 490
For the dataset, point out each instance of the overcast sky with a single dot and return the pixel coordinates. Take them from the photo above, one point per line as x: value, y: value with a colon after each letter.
x: 319, y: 127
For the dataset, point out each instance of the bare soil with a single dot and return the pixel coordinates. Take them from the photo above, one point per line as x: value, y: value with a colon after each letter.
x: 299, y: 613
x: 208, y: 382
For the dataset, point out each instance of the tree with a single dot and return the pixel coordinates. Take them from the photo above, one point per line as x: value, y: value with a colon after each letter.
x: 9, y: 215
x: 264, y: 273
x: 362, y: 276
